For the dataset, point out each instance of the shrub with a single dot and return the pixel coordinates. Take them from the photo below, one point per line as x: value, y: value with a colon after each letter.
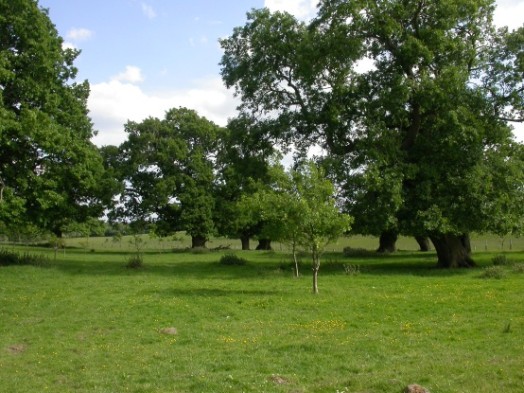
x: 500, y: 260
x: 232, y: 260
x: 496, y: 272
x: 135, y: 262
x: 351, y: 270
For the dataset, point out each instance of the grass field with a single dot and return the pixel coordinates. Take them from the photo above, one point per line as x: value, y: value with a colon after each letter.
x: 85, y: 323
x: 479, y: 243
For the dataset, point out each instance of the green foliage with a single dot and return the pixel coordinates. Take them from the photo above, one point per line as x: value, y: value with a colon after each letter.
x: 167, y: 167
x: 135, y: 262
x: 50, y: 172
x: 442, y: 86
x: 496, y: 272
x: 244, y: 162
x: 232, y: 260
x: 300, y: 210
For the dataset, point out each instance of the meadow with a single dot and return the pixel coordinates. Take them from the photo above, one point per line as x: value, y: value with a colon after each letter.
x: 83, y: 322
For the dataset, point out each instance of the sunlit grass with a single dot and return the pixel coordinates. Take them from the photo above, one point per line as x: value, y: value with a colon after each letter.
x: 86, y: 323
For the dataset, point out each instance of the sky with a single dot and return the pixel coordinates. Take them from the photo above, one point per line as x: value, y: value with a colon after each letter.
x: 143, y: 57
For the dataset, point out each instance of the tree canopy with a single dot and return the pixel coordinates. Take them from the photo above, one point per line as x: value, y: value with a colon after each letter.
x: 244, y: 161
x: 167, y: 166
x: 299, y: 208
x: 50, y: 172
x: 418, y: 138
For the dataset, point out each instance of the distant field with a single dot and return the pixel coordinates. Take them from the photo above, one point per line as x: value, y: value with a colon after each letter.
x: 488, y: 243
x: 85, y: 323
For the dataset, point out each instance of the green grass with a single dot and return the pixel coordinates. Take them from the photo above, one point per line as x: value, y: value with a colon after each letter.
x: 85, y: 323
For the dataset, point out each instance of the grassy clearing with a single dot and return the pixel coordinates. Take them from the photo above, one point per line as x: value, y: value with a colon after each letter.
x: 85, y: 323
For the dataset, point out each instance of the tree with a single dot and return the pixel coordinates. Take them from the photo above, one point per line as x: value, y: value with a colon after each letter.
x: 167, y: 167
x: 419, y: 133
x: 301, y: 210
x: 50, y: 172
x: 244, y: 159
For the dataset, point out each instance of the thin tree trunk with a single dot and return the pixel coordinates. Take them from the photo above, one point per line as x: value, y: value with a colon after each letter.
x: 387, y: 242
x: 244, y: 239
x: 198, y: 242
x: 423, y: 243
x: 453, y: 251
x: 316, y: 267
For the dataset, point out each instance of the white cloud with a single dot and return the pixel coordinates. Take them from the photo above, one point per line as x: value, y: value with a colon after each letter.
x: 77, y: 34
x: 148, y: 11
x: 131, y: 74
x: 113, y: 103
x: 302, y: 9
x: 68, y: 45
x: 509, y: 13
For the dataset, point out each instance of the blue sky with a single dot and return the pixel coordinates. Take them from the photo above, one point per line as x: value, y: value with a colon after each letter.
x: 142, y: 57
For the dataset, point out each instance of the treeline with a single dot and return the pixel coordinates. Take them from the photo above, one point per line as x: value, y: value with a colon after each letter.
x: 418, y: 144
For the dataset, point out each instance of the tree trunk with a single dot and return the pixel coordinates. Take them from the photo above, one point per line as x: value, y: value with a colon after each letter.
x: 423, y: 243
x: 387, y: 242
x: 198, y: 242
x: 315, y: 281
x: 316, y: 267
x: 245, y: 242
x: 264, y: 244
x: 466, y: 241
x: 295, y: 259
x: 57, y: 232
x: 453, y: 251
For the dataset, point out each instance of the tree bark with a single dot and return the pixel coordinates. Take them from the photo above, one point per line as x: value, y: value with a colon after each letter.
x: 453, y: 251
x: 387, y: 242
x: 264, y: 244
x: 245, y: 242
x: 315, y: 255
x: 295, y: 258
x: 198, y: 242
x: 315, y: 281
x: 423, y: 243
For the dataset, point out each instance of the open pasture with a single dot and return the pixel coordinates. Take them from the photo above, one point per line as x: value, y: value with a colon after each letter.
x: 85, y: 323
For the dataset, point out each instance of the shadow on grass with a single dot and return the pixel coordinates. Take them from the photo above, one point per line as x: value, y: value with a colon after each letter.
x: 217, y: 292
x: 261, y: 265
x: 402, y: 263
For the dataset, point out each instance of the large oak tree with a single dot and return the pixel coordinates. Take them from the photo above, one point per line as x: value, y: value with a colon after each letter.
x: 167, y: 166
x: 51, y: 174
x: 420, y: 138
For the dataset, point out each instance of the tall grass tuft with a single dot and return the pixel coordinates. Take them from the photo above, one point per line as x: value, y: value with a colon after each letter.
x: 231, y: 259
x: 8, y: 258
x: 494, y: 272
x: 500, y: 260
